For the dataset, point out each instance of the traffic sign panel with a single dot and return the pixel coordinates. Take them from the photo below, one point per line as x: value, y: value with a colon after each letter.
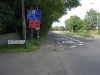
x: 37, y: 14
x: 34, y: 24
x: 37, y: 23
x: 34, y: 14
x: 31, y: 24
x: 30, y: 14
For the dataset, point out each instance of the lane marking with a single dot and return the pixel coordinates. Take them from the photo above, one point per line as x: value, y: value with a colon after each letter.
x: 72, y: 46
x: 58, y: 42
x: 75, y: 40
x: 80, y: 44
x: 71, y: 42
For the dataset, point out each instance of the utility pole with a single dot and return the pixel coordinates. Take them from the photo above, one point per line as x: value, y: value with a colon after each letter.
x: 23, y: 20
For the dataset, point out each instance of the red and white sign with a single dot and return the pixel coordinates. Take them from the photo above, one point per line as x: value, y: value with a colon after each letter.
x: 31, y: 24
x: 34, y: 24
x: 37, y: 23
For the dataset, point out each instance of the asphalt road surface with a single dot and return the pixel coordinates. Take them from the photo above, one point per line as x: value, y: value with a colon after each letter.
x: 59, y: 55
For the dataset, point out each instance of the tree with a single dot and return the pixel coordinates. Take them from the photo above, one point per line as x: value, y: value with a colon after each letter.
x: 9, y: 15
x: 51, y: 11
x: 61, y: 28
x: 91, y: 19
x: 56, y: 28
x: 56, y: 9
x: 74, y: 23
x: 52, y: 28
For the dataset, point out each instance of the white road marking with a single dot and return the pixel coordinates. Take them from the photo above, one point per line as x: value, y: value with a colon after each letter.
x: 72, y: 46
x: 71, y: 42
x: 63, y: 42
x: 58, y: 42
x: 75, y: 40
x: 80, y: 44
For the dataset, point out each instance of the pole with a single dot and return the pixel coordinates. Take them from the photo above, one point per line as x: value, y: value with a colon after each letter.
x: 38, y: 33
x: 23, y: 20
x: 32, y: 34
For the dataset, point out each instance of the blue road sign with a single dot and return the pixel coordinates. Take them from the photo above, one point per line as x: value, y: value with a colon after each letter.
x: 34, y: 14
x: 37, y: 14
x: 30, y: 14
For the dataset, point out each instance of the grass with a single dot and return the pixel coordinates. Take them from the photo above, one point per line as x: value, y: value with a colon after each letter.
x: 31, y: 45
x: 83, y: 34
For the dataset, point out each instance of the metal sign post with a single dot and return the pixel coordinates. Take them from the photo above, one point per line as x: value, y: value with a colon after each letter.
x: 37, y: 19
x: 30, y: 17
x: 34, y: 17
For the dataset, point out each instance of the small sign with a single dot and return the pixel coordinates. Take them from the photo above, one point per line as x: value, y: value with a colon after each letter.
x: 37, y: 24
x: 16, y: 41
x: 37, y: 14
x: 34, y: 24
x: 31, y: 24
x: 30, y: 14
x: 33, y: 14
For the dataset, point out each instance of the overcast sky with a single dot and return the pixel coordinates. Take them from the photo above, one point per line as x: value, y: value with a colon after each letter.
x: 80, y: 11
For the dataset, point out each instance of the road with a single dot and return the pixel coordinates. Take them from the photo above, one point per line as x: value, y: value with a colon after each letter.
x: 59, y: 55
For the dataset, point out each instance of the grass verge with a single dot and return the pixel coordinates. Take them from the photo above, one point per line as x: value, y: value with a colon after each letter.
x: 83, y: 34
x: 31, y: 45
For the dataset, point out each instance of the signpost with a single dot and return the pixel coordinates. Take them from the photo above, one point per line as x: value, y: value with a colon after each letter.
x: 37, y: 20
x: 34, y: 17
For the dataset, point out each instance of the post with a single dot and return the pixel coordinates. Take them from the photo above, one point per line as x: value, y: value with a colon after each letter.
x: 23, y: 20
x: 32, y: 34
x: 38, y: 33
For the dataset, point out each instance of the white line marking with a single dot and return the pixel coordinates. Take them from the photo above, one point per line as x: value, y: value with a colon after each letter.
x: 71, y: 42
x: 80, y: 44
x: 58, y: 42
x: 72, y: 46
x: 75, y: 40
x: 63, y: 42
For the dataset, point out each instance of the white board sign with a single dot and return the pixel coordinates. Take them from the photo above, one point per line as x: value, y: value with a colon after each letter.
x: 16, y: 41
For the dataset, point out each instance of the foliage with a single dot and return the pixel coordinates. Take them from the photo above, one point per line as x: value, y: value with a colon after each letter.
x: 51, y: 11
x: 74, y: 23
x: 56, y: 28
x: 6, y: 17
x: 52, y: 28
x: 91, y: 19
x: 61, y: 28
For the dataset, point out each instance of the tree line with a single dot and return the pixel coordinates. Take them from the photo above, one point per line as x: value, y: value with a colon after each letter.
x: 11, y: 19
x: 91, y: 21
x: 56, y: 28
